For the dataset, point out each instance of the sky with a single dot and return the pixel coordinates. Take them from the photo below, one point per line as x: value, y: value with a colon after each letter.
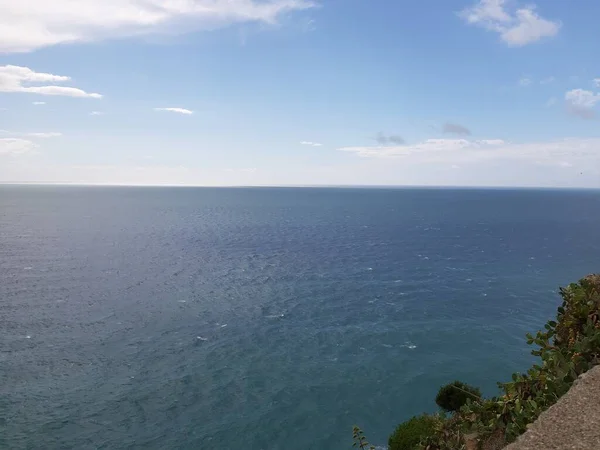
x: 300, y: 92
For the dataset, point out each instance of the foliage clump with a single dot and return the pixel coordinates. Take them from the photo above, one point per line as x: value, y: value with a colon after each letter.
x: 567, y: 347
x: 408, y: 435
x: 453, y: 396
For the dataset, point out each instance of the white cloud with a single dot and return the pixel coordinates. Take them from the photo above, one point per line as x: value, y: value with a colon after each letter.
x: 38, y: 103
x: 565, y: 162
x: 551, y: 102
x: 430, y: 146
x: 32, y: 24
x: 96, y: 113
x: 559, y: 163
x: 596, y: 82
x: 34, y: 135
x: 309, y: 25
x: 581, y: 103
x: 16, y: 146
x: 20, y: 79
x: 524, y: 82
x: 243, y: 170
x: 175, y: 110
x: 465, y: 151
x: 583, y: 98
x: 517, y: 27
x: 490, y: 142
x: 312, y: 144
x: 44, y: 135
x: 548, y: 80
x: 530, y: 28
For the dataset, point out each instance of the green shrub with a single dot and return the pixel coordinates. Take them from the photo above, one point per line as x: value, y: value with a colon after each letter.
x: 409, y: 434
x: 453, y: 396
x: 360, y: 441
x: 567, y: 347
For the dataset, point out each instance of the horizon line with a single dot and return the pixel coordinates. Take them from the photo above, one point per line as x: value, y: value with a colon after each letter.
x: 297, y: 186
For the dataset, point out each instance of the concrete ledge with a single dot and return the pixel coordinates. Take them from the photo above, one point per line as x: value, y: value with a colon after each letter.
x: 573, y: 423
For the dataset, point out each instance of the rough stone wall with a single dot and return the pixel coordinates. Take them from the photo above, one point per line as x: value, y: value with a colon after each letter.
x: 573, y: 423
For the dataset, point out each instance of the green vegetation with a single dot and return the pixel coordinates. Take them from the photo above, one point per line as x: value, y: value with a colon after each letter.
x: 410, y: 433
x: 453, y: 396
x: 360, y: 441
x: 567, y: 347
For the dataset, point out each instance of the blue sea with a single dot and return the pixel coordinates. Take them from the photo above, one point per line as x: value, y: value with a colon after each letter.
x: 268, y: 318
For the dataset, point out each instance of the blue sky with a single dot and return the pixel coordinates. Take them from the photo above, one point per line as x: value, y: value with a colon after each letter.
x: 299, y: 92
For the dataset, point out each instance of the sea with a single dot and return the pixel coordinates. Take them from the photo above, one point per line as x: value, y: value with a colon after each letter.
x: 268, y: 318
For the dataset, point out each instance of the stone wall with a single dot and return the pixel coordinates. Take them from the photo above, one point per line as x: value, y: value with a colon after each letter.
x: 573, y: 423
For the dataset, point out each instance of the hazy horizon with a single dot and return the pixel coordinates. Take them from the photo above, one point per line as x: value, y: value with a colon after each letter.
x: 307, y: 186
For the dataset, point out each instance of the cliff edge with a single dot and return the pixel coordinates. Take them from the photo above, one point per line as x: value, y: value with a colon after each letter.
x: 572, y: 423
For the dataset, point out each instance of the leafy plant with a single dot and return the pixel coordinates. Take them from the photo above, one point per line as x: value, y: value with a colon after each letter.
x: 408, y: 435
x: 360, y: 441
x: 453, y: 396
x: 567, y: 347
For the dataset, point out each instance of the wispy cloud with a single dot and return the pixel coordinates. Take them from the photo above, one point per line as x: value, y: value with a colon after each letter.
x: 581, y: 103
x: 516, y: 26
x: 16, y: 146
x: 243, y: 170
x: 560, y: 153
x: 383, y: 139
x: 30, y: 134
x: 548, y: 80
x: 429, y: 146
x: 33, y: 24
x: 44, y: 135
x: 456, y: 129
x: 309, y: 25
x: 524, y: 82
x: 596, y: 82
x: 21, y: 79
x: 38, y: 103
x: 312, y: 144
x: 176, y: 110
x: 96, y: 113
x: 551, y: 102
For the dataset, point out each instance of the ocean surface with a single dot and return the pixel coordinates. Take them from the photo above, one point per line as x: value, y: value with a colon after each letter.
x: 197, y: 318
